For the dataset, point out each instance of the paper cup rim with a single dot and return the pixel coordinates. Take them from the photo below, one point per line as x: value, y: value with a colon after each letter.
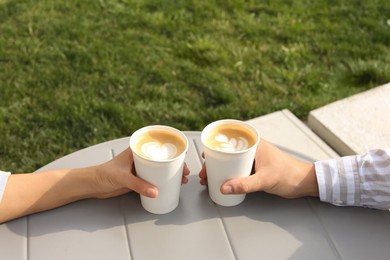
x: 158, y: 127
x: 226, y: 121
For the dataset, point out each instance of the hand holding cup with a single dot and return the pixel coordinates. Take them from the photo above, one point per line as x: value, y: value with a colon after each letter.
x: 159, y: 153
x: 229, y: 150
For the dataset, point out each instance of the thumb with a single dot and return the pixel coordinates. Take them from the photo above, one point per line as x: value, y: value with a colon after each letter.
x: 143, y: 187
x: 242, y: 185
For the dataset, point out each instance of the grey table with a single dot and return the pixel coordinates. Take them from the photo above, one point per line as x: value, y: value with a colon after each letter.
x: 262, y: 227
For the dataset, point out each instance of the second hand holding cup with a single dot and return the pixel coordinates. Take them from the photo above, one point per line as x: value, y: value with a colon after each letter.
x: 229, y: 148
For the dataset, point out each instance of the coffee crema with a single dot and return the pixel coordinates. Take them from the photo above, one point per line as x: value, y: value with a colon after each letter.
x: 230, y: 138
x: 159, y: 145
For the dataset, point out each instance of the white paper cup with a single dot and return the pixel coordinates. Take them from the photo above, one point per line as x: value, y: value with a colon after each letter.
x: 165, y: 174
x: 225, y: 165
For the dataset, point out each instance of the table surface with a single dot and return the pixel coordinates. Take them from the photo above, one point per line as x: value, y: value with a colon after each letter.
x: 263, y: 226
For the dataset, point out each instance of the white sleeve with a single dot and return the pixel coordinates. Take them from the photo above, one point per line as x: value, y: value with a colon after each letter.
x: 3, y: 182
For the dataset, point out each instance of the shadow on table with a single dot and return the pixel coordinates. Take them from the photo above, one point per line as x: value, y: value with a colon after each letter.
x: 86, y: 215
x: 298, y: 229
x: 306, y: 229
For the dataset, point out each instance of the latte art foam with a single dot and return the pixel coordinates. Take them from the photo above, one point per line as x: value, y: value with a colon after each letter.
x: 159, y: 151
x: 233, y: 144
x: 159, y: 145
x: 230, y: 138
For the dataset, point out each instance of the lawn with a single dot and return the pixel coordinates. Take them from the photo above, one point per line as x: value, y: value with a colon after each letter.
x: 77, y: 73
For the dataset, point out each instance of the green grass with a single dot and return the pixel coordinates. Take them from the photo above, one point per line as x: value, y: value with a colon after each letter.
x: 76, y: 73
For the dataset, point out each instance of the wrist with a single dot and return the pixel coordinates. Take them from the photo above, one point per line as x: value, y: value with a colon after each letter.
x: 95, y: 181
x: 84, y: 182
x: 308, y: 186
x: 104, y: 185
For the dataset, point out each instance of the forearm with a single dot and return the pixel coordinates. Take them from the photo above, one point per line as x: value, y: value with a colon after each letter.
x: 30, y: 193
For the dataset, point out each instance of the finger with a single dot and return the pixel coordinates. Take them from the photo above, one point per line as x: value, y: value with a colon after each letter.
x: 184, y: 180
x: 242, y: 185
x: 203, y: 181
x: 186, y: 170
x: 203, y: 175
x: 143, y: 187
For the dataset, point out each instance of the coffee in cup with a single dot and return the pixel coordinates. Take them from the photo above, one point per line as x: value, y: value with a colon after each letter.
x: 230, y: 138
x: 159, y: 145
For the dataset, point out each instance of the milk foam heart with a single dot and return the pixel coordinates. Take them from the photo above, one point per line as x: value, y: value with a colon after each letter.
x: 229, y: 137
x: 159, y: 151
x: 233, y: 144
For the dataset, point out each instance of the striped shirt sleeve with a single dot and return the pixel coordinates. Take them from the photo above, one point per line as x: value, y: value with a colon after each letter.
x: 360, y: 180
x: 3, y: 182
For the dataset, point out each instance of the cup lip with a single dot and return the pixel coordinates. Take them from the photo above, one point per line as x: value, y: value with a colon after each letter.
x: 158, y: 127
x: 227, y: 121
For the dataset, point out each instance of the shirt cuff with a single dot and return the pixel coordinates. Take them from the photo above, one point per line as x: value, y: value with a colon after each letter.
x: 319, y: 169
x: 337, y: 182
x: 3, y: 181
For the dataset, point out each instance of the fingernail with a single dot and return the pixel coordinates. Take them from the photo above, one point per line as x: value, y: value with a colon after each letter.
x: 151, y: 192
x: 227, y: 189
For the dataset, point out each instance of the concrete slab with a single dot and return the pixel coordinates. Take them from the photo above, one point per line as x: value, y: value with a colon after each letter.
x: 355, y: 124
x: 285, y: 130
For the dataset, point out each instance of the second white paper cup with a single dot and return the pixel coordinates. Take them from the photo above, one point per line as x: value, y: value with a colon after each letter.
x: 166, y: 175
x: 222, y: 166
